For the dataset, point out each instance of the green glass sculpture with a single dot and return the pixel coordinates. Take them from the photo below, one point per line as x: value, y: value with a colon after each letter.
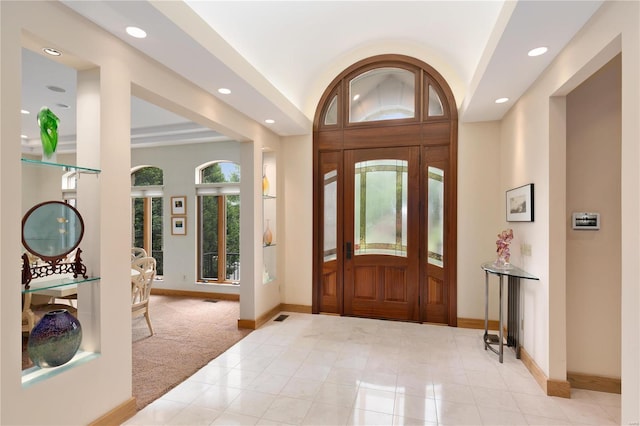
x: 48, y: 123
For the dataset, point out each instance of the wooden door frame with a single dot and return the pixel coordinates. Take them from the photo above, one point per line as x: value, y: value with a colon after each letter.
x: 425, y: 131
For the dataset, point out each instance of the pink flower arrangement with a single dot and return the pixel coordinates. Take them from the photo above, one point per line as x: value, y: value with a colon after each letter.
x: 503, y: 241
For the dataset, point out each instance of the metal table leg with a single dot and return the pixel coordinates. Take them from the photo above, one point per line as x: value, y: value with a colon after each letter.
x: 486, y: 309
x: 501, y: 327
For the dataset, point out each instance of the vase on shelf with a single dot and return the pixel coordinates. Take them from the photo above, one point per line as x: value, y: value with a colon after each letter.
x: 48, y: 123
x: 502, y: 244
x: 267, y: 237
x: 55, y: 339
x: 265, y: 182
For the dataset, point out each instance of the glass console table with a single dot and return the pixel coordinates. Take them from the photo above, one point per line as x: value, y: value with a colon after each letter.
x: 514, y: 274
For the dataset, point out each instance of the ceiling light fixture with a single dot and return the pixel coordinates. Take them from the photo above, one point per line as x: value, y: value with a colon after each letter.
x: 502, y: 100
x: 269, y: 121
x: 51, y: 51
x: 356, y: 97
x: 224, y: 91
x: 538, y: 51
x: 24, y: 111
x: 136, y: 32
x: 24, y: 136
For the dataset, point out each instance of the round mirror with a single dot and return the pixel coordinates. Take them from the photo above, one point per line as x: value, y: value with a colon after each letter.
x: 52, y: 229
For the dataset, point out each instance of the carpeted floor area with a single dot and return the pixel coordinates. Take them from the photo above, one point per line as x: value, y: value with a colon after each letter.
x: 188, y: 333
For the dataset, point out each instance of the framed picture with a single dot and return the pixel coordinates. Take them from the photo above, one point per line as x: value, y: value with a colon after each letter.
x: 178, y: 226
x: 585, y: 221
x: 519, y: 204
x: 178, y: 205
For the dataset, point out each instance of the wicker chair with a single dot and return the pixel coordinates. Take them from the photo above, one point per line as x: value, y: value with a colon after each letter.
x: 141, y: 287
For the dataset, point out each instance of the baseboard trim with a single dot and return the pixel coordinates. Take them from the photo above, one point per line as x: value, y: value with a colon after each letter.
x: 301, y: 309
x: 245, y: 323
x: 595, y: 383
x: 200, y: 294
x: 255, y: 324
x: 118, y: 415
x: 477, y: 323
x: 551, y: 387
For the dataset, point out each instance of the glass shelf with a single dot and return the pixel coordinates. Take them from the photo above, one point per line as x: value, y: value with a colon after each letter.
x: 509, y: 270
x: 269, y: 197
x: 36, y: 374
x: 43, y: 284
x: 268, y: 245
x: 68, y: 167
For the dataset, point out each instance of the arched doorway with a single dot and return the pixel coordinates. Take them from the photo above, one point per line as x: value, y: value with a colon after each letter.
x: 385, y: 157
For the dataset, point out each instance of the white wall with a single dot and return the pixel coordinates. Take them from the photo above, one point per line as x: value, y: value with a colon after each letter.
x: 593, y: 257
x: 296, y: 171
x: 534, y: 150
x: 110, y: 374
x: 480, y: 215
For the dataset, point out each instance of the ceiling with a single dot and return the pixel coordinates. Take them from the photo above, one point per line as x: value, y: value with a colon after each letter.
x: 278, y: 56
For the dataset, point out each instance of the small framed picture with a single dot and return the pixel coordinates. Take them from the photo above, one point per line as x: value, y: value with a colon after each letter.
x: 178, y: 205
x: 519, y: 204
x: 585, y: 221
x: 178, y: 226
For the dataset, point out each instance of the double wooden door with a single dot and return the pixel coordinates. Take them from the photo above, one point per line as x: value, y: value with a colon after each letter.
x: 382, y: 234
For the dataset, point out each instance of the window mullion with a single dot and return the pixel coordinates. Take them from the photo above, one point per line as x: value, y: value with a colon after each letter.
x: 222, y: 236
x: 146, y: 208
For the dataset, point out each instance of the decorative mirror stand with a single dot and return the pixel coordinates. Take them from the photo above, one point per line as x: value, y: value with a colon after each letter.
x: 52, y: 267
x: 50, y: 231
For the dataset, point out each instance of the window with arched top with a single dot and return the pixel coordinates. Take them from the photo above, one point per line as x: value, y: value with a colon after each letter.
x: 147, y: 212
x: 218, y: 222
x: 385, y: 171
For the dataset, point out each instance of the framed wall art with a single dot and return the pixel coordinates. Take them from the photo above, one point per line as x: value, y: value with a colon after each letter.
x: 178, y: 226
x: 179, y: 205
x: 519, y: 204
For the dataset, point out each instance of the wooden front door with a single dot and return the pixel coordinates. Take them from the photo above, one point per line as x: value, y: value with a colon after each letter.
x: 381, y: 235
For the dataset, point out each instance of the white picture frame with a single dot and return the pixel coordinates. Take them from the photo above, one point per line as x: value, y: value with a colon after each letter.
x: 585, y: 221
x: 179, y: 225
x: 179, y: 205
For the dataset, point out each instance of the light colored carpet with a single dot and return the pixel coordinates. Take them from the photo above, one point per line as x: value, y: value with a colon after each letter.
x: 188, y: 333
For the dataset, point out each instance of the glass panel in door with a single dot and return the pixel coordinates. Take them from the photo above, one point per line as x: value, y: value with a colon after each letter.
x: 381, y: 207
x: 435, y: 217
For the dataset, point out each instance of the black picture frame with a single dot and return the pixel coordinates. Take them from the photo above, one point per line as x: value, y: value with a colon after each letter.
x: 519, y: 204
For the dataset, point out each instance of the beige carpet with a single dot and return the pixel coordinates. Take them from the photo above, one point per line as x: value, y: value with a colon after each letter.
x: 188, y: 333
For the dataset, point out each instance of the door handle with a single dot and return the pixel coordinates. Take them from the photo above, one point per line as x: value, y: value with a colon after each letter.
x: 349, y: 253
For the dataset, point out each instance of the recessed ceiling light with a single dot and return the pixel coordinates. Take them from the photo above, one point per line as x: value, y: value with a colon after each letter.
x: 501, y: 100
x: 136, y: 32
x: 269, y: 121
x: 51, y: 51
x: 24, y: 111
x: 24, y: 136
x: 538, y: 51
x: 356, y: 97
x: 224, y: 91
x: 56, y: 89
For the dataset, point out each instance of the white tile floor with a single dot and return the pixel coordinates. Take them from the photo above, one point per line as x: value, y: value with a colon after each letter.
x: 328, y: 370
